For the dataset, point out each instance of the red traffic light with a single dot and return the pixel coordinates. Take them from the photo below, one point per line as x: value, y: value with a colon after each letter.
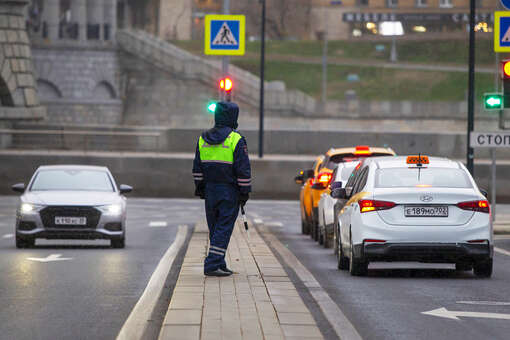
x: 505, y: 68
x: 226, y: 84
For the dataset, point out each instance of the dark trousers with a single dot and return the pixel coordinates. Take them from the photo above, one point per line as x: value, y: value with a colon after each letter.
x: 221, y: 209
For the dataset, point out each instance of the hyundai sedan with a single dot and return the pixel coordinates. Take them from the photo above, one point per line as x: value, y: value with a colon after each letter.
x: 414, y: 209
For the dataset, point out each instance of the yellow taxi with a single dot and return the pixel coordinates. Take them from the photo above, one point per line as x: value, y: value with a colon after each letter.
x: 316, y: 180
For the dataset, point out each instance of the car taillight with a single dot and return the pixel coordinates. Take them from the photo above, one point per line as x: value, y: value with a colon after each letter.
x: 372, y: 205
x: 324, y: 177
x: 370, y: 240
x: 480, y: 206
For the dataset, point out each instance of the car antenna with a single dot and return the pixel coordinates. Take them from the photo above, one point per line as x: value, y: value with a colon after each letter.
x: 419, y: 165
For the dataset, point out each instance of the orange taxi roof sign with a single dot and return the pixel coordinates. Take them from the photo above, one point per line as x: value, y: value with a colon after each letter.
x: 417, y: 159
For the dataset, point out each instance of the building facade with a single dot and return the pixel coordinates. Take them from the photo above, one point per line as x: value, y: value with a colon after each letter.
x: 364, y: 18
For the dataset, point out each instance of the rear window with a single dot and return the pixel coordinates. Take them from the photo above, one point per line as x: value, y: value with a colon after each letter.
x: 350, y: 157
x: 427, y: 177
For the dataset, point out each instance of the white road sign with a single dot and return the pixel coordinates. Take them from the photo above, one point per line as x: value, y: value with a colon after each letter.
x: 490, y: 139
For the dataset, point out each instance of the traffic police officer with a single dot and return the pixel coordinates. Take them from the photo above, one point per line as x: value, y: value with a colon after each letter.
x: 222, y: 174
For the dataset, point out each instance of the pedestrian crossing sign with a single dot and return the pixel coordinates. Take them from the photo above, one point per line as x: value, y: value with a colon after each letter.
x: 224, y: 34
x: 502, y: 31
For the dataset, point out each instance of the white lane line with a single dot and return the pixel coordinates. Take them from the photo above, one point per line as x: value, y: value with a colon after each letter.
x: 8, y: 236
x: 50, y: 258
x: 344, y: 329
x: 139, y: 319
x: 274, y: 224
x: 258, y: 221
x: 485, y: 303
x: 158, y: 224
x: 502, y: 251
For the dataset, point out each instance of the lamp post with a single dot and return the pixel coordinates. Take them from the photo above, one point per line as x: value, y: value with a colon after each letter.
x: 262, y: 66
x: 471, y: 88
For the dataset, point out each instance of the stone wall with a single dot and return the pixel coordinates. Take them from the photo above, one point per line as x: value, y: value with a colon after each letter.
x: 79, y: 84
x: 18, y: 91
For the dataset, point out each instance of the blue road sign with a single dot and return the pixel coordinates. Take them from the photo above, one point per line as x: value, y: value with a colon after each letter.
x: 502, y: 31
x: 505, y: 3
x: 224, y: 34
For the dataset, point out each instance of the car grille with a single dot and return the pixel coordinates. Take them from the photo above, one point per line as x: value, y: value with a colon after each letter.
x: 48, y: 215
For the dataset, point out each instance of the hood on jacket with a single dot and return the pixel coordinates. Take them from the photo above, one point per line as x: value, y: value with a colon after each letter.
x: 225, y: 119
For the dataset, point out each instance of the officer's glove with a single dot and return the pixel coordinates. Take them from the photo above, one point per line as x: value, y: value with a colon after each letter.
x: 199, y: 192
x: 243, y: 198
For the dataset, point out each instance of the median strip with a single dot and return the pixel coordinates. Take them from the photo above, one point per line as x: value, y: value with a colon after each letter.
x: 258, y: 302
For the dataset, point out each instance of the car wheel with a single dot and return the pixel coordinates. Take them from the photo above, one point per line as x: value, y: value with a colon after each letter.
x: 336, y: 238
x: 483, y: 268
x: 117, y: 243
x: 304, y: 227
x: 463, y: 266
x: 24, y: 242
x: 357, y: 266
x: 343, y: 261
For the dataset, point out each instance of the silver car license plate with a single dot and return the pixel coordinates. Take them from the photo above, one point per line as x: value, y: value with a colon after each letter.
x: 61, y: 220
x: 426, y: 211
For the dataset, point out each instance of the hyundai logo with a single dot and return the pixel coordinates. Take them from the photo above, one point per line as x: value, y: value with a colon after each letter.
x: 426, y: 198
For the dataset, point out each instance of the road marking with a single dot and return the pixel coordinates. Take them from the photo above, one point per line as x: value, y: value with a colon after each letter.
x: 343, y: 327
x: 258, y: 221
x: 8, y: 236
x: 139, y: 319
x: 50, y: 258
x: 502, y: 251
x: 158, y: 224
x: 445, y: 313
x: 485, y: 303
x: 273, y: 224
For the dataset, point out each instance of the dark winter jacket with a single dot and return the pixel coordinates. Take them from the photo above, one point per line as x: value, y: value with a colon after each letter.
x: 238, y: 173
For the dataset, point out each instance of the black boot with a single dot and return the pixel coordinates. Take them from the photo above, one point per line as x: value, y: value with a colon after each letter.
x: 217, y: 272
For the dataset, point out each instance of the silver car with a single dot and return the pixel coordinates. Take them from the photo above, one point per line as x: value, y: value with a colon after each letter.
x: 71, y: 202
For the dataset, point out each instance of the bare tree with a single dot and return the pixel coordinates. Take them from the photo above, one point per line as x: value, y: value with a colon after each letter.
x: 284, y: 19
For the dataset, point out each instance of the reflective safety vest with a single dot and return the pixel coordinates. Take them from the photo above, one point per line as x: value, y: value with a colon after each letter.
x: 219, y: 153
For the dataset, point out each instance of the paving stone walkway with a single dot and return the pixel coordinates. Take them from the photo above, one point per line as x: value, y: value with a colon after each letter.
x: 258, y: 302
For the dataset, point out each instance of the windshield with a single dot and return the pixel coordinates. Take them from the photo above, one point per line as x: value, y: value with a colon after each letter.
x: 72, y: 180
x: 427, y: 177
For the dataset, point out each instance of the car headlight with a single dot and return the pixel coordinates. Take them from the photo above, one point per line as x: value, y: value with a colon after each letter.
x: 111, y: 209
x: 27, y: 208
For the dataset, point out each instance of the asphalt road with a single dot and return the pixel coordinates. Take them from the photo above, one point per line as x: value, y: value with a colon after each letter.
x: 388, y: 304
x: 91, y: 295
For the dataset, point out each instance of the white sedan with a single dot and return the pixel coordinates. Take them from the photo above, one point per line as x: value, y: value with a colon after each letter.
x: 71, y: 202
x: 328, y: 204
x: 414, y: 209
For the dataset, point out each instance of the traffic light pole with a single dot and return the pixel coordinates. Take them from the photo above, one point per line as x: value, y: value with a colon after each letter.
x: 225, y: 59
x: 262, y: 66
x: 471, y: 88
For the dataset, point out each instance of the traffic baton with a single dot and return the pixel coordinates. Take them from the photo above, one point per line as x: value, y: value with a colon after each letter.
x: 245, y: 220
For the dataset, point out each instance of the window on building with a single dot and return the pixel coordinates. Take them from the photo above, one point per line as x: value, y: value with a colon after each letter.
x: 392, y: 3
x: 445, y: 3
x: 421, y: 3
x: 362, y: 2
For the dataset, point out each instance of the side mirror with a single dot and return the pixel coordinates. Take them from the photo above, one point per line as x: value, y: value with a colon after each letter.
x: 299, y: 178
x: 125, y: 189
x: 309, y: 173
x: 19, y: 187
x: 484, y: 193
x: 339, y: 193
x: 335, y: 185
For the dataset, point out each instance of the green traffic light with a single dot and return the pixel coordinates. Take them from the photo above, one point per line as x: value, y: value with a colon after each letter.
x: 493, y: 101
x: 211, y: 107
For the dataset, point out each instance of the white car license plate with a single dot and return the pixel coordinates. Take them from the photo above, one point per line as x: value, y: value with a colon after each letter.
x: 60, y: 220
x: 426, y: 211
